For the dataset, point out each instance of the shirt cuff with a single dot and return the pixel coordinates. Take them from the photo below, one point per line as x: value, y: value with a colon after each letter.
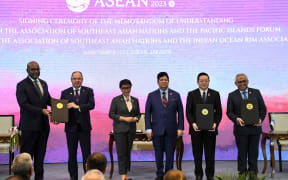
x: 148, y: 130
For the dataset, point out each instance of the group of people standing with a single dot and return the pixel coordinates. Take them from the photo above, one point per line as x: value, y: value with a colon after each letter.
x: 164, y: 122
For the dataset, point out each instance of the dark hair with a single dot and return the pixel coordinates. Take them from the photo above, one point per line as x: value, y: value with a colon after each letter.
x: 98, y: 161
x: 202, y: 74
x: 125, y: 82
x: 161, y: 74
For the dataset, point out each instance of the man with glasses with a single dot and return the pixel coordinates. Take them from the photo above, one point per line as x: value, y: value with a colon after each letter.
x: 247, y: 136
x: 78, y: 129
x: 203, y: 139
x: 33, y: 98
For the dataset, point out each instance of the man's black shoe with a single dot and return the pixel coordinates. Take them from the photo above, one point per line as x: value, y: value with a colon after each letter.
x: 159, y: 178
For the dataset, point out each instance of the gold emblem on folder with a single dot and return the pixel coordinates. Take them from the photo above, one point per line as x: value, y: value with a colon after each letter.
x: 59, y: 105
x: 205, y: 111
x: 249, y: 106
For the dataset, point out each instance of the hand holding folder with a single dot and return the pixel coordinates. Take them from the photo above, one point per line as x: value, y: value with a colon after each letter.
x: 59, y: 111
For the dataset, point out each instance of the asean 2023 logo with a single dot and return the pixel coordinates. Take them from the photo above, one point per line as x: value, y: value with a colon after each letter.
x: 78, y: 6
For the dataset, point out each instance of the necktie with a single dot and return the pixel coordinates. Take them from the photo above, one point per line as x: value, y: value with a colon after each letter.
x: 38, y: 88
x: 204, y: 96
x: 244, y: 95
x: 77, y: 95
x: 164, y: 99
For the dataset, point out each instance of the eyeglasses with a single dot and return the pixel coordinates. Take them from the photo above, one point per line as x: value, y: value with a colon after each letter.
x: 35, y: 69
x: 203, y: 81
x: 243, y: 81
x: 125, y: 88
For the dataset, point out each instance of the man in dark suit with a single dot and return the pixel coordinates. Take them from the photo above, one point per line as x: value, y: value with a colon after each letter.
x: 163, y: 106
x: 81, y: 101
x: 203, y: 138
x: 33, y: 97
x: 247, y: 136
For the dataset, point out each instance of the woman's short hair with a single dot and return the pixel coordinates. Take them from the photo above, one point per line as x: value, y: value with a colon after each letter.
x: 125, y: 82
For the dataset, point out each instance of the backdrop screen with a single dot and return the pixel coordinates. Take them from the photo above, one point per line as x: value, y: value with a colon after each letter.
x: 109, y: 40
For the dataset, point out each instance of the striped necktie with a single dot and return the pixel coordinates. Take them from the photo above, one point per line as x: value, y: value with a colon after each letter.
x: 164, y: 99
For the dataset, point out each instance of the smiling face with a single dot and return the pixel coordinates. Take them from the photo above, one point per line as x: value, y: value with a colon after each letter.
x: 203, y: 82
x: 76, y: 79
x: 33, y: 70
x: 163, y: 82
x: 241, y: 82
x: 126, y: 89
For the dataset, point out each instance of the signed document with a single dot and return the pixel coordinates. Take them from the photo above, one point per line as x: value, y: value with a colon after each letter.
x: 59, y: 110
x: 250, y: 111
x: 204, y: 116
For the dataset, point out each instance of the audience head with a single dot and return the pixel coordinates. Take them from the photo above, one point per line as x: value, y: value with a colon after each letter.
x: 174, y: 175
x: 98, y: 161
x: 23, y: 165
x: 15, y: 177
x: 93, y: 174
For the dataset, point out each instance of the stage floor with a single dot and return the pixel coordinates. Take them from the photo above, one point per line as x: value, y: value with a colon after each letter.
x: 146, y: 170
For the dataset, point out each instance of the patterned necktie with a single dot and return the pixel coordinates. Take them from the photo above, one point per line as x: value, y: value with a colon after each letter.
x: 38, y: 88
x: 244, y: 95
x: 164, y: 99
x: 77, y: 95
x: 204, y: 96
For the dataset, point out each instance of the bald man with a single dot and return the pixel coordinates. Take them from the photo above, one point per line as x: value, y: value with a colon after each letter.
x: 33, y: 98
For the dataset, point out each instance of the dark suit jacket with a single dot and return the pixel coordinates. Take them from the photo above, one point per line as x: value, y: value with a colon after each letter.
x: 31, y: 105
x: 194, y: 98
x: 234, y: 111
x: 119, y: 108
x: 86, y: 103
x: 158, y: 118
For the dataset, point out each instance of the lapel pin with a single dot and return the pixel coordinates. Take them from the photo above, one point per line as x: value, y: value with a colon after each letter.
x: 70, y: 93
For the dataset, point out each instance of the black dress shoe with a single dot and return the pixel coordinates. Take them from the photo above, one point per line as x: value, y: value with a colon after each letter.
x: 159, y: 178
x: 74, y: 178
x: 210, y: 178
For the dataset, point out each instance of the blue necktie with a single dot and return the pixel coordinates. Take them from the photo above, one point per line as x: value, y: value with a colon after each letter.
x: 244, y: 95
